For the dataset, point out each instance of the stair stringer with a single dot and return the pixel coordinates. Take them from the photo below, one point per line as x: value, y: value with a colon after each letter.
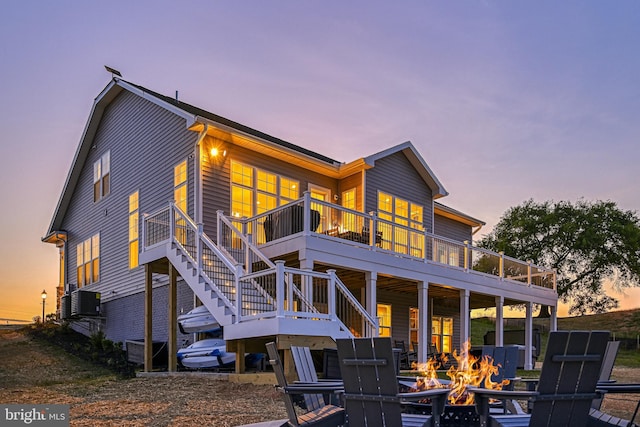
x: 222, y: 309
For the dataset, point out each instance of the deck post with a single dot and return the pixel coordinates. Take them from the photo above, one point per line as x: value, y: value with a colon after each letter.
x: 528, y: 336
x: 464, y: 317
x: 499, y: 321
x: 553, y: 326
x: 172, y: 346
x: 423, y: 321
x: 280, y: 289
x: 331, y: 298
x: 148, y: 318
x: 371, y: 277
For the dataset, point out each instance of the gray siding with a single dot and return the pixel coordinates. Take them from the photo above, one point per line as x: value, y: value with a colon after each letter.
x: 395, y: 175
x: 451, y: 229
x: 400, y: 303
x: 125, y: 319
x: 145, y: 142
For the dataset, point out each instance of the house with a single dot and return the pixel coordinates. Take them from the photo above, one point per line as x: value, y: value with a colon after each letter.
x: 167, y: 206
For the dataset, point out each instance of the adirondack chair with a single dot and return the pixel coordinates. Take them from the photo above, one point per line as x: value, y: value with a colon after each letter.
x: 506, y: 359
x: 325, y: 416
x: 566, y: 387
x: 597, y: 418
x: 306, y: 370
x: 371, y: 389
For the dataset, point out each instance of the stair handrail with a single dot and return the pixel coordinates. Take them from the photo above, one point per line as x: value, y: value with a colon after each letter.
x: 244, y: 238
x: 196, y: 258
x: 370, y: 326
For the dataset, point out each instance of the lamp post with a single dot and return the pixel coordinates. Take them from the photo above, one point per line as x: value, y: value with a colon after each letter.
x: 44, y: 300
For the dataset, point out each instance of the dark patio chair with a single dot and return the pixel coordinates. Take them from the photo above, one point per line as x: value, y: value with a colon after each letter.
x: 323, y: 416
x: 566, y: 387
x: 407, y: 357
x: 371, y: 388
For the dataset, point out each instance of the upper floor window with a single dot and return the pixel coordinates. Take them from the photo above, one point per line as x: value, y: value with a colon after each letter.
x: 88, y: 261
x: 180, y: 186
x: 349, y: 199
x: 403, y: 224
x: 133, y: 230
x: 101, y: 176
x: 254, y: 190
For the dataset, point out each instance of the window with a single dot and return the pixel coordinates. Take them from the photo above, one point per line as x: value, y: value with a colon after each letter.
x: 413, y: 325
x: 349, y: 199
x: 101, y: 176
x: 407, y: 236
x: 180, y: 186
x: 254, y: 190
x: 133, y: 230
x: 442, y: 333
x: 447, y: 253
x: 88, y: 261
x: 384, y: 320
x: 180, y: 199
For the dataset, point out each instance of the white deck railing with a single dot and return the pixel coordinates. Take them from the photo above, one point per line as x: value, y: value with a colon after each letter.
x: 331, y: 221
x: 250, y: 284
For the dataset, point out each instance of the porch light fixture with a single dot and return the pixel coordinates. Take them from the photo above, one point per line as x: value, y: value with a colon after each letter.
x: 215, y: 152
x: 44, y: 300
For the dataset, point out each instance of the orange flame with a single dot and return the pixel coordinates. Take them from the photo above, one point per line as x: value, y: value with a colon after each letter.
x: 467, y: 371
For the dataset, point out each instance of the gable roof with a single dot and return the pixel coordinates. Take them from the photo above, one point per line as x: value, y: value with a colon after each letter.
x: 195, y: 118
x: 416, y: 161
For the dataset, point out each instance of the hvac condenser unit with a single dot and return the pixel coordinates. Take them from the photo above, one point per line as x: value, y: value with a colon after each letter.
x: 65, y: 306
x: 85, y: 303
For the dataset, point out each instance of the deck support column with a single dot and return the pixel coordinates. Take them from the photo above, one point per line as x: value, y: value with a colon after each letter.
x: 464, y: 317
x: 528, y: 336
x: 172, y: 346
x: 553, y: 326
x: 148, y: 318
x: 499, y: 321
x: 371, y: 277
x: 423, y: 321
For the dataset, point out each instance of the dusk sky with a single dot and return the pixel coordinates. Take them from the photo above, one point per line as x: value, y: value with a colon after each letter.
x: 505, y: 100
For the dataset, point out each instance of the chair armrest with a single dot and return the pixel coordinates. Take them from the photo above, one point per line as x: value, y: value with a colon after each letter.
x: 307, y: 388
x: 531, y: 383
x: 483, y: 395
x: 425, y: 394
x: 438, y: 398
x: 618, y: 388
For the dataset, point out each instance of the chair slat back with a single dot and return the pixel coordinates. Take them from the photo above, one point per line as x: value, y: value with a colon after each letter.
x: 306, y: 371
x: 568, y: 379
x: 278, y: 370
x: 370, y: 382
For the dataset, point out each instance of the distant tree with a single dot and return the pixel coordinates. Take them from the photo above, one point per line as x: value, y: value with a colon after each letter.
x: 588, y: 243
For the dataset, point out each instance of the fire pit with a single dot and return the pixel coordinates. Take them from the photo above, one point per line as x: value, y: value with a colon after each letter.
x: 467, y: 371
x: 453, y: 415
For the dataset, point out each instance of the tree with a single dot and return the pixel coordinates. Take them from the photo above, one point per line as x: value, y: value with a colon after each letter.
x: 589, y: 244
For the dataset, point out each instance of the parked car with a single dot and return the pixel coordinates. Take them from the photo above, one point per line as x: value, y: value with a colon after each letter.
x: 209, y: 353
x: 197, y: 320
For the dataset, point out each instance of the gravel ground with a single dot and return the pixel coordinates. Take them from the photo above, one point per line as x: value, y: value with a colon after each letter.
x: 38, y: 373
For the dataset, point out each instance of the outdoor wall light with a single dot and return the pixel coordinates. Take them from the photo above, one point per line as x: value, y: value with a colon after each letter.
x: 215, y: 152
